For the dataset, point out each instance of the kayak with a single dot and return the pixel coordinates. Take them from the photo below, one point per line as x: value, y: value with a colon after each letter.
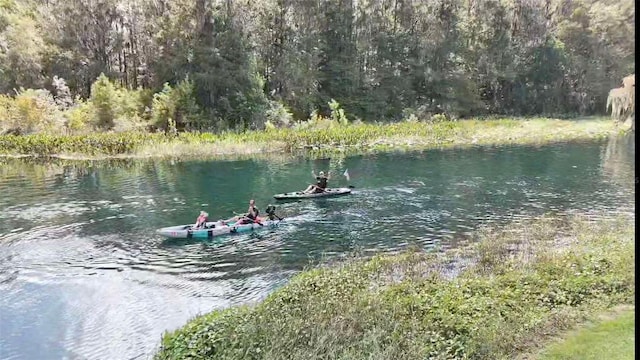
x: 302, y: 195
x: 212, y: 229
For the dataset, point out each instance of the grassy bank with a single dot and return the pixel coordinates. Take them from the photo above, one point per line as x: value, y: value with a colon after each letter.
x: 612, y: 336
x: 521, y: 285
x: 322, y: 138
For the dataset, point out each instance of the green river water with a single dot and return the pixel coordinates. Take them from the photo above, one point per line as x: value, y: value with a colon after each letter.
x: 84, y: 276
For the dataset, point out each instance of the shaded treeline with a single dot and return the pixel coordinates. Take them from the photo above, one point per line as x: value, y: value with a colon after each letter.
x: 223, y: 63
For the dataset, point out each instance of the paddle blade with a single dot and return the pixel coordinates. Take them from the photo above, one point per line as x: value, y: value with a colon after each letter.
x: 346, y: 174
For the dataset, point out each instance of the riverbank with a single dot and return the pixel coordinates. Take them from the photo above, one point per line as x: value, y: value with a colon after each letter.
x: 323, y: 140
x: 506, y: 293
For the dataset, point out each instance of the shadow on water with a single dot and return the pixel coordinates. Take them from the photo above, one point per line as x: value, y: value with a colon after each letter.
x: 84, y: 275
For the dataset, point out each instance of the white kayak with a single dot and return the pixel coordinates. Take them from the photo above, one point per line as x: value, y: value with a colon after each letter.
x: 301, y: 195
x: 212, y: 229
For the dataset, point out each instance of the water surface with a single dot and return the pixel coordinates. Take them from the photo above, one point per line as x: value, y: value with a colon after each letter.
x: 83, y: 276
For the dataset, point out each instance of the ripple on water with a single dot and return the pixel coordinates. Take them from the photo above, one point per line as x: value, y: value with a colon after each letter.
x: 82, y: 274
x: 109, y: 316
x: 40, y: 212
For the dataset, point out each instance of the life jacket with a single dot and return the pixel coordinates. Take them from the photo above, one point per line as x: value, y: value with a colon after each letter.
x: 322, y: 182
x: 253, y: 216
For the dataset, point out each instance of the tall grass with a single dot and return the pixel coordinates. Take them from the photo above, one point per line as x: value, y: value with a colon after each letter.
x: 334, y: 137
x: 544, y: 277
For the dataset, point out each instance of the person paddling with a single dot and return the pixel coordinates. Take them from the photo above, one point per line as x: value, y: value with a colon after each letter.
x: 321, y: 183
x: 251, y: 216
x: 202, y: 219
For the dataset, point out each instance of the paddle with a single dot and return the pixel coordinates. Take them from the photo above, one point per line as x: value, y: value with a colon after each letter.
x: 255, y: 220
x: 346, y: 174
x: 244, y: 216
x: 271, y: 211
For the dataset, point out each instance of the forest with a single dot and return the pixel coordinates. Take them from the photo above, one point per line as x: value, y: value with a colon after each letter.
x: 77, y: 66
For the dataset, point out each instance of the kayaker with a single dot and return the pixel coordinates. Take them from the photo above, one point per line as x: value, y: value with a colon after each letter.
x: 251, y: 216
x: 201, y: 220
x: 271, y: 213
x: 321, y: 183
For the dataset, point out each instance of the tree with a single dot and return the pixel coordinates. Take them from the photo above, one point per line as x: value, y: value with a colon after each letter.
x: 622, y: 101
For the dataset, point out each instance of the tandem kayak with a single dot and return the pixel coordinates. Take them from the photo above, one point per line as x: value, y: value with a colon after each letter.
x: 302, y: 195
x: 212, y: 229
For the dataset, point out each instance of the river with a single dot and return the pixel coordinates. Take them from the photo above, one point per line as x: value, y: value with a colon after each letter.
x: 84, y: 276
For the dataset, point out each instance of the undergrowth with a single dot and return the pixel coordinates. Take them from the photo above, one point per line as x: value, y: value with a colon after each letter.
x: 524, y: 284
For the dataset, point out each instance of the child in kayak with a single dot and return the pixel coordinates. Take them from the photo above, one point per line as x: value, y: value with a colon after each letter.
x: 319, y: 186
x: 201, y: 220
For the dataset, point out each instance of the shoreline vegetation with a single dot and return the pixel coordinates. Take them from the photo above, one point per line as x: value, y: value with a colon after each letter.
x: 505, y: 294
x: 320, y: 137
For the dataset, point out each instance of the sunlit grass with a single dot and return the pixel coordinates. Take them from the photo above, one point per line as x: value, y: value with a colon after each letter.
x: 508, y: 292
x: 611, y: 338
x: 327, y: 139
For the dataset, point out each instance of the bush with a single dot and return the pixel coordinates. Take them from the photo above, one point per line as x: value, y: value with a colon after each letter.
x: 176, y: 106
x: 421, y: 113
x: 7, y: 113
x: 278, y: 115
x: 31, y: 111
x: 117, y: 108
x: 79, y: 117
x: 104, y: 100
x: 438, y: 118
x: 337, y: 113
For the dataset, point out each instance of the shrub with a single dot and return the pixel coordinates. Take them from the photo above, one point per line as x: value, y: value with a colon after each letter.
x: 438, y: 118
x: 7, y: 113
x: 278, y: 115
x: 34, y: 111
x: 103, y: 98
x: 337, y: 113
x: 79, y: 117
x: 176, y: 105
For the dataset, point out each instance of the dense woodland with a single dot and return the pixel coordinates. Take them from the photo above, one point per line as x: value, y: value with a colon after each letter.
x: 214, y: 64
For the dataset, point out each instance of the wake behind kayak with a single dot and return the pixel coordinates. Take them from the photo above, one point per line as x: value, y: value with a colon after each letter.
x: 302, y: 195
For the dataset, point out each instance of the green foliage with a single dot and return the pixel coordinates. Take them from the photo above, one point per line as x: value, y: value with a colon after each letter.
x: 402, y: 307
x: 448, y: 57
x: 117, y: 108
x: 80, y: 117
x: 278, y: 115
x: 175, y: 107
x: 606, y: 339
x: 90, y: 144
x: 325, y: 135
x: 22, y: 47
x: 337, y: 114
x: 438, y: 118
x: 30, y: 111
x: 103, y: 98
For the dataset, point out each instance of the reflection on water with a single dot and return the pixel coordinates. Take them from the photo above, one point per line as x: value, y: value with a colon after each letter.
x: 83, y: 275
